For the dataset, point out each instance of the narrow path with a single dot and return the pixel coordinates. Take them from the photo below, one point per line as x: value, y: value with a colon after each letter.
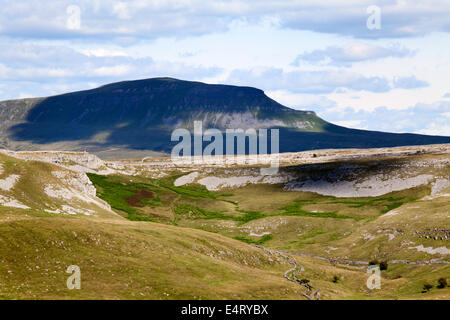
x: 291, y: 274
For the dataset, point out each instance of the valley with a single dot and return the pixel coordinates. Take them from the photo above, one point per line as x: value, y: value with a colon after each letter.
x: 152, y: 229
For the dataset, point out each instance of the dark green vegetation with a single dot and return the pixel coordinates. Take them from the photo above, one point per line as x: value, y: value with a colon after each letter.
x: 389, y: 203
x: 263, y: 239
x: 383, y: 203
x: 295, y: 209
x: 442, y: 283
x: 116, y: 191
x: 141, y: 114
x: 116, y: 194
x: 427, y: 287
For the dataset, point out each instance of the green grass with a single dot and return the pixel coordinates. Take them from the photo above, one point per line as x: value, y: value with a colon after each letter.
x: 391, y: 206
x: 197, y: 212
x: 260, y: 241
x: 191, y: 191
x: 385, y: 204
x: 295, y: 209
x: 115, y: 190
x: 137, y: 217
x: 153, y: 202
x: 188, y: 202
x: 115, y: 194
x: 251, y: 215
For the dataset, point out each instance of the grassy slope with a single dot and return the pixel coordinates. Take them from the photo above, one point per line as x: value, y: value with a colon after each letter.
x: 122, y: 259
x: 143, y: 260
x: 126, y: 260
x: 29, y: 189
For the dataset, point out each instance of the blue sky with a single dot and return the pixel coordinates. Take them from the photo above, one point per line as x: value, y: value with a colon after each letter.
x: 315, y: 55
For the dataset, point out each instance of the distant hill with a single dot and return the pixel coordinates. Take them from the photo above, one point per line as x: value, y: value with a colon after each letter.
x: 141, y: 114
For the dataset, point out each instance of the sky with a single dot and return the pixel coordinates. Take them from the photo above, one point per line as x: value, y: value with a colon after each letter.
x: 378, y: 65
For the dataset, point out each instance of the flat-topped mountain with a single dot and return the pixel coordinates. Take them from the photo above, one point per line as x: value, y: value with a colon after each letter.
x: 141, y: 114
x: 165, y: 102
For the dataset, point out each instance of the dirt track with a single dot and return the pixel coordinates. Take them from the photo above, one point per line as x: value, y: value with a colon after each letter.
x: 291, y: 274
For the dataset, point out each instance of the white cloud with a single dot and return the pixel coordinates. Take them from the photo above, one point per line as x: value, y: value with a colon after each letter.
x: 351, y: 124
x: 410, y: 82
x: 119, y: 70
x: 301, y: 100
x: 101, y: 52
x: 419, y: 118
x: 352, y: 53
x: 121, y: 10
x: 436, y: 129
x: 175, y: 18
x: 44, y: 70
x: 298, y: 81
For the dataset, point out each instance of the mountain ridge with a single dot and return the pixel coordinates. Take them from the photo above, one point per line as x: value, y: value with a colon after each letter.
x: 140, y: 115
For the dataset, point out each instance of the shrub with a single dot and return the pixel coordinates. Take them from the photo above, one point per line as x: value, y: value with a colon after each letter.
x: 373, y: 262
x: 305, y: 281
x: 426, y: 287
x: 442, y: 283
x: 383, y: 265
x: 335, y: 279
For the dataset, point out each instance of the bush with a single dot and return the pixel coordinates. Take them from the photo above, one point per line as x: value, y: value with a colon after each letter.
x: 426, y: 287
x: 383, y: 264
x: 373, y: 262
x: 442, y: 283
x: 335, y: 279
x: 305, y: 281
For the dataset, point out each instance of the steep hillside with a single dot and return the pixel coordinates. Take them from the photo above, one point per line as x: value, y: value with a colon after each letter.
x: 141, y: 114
